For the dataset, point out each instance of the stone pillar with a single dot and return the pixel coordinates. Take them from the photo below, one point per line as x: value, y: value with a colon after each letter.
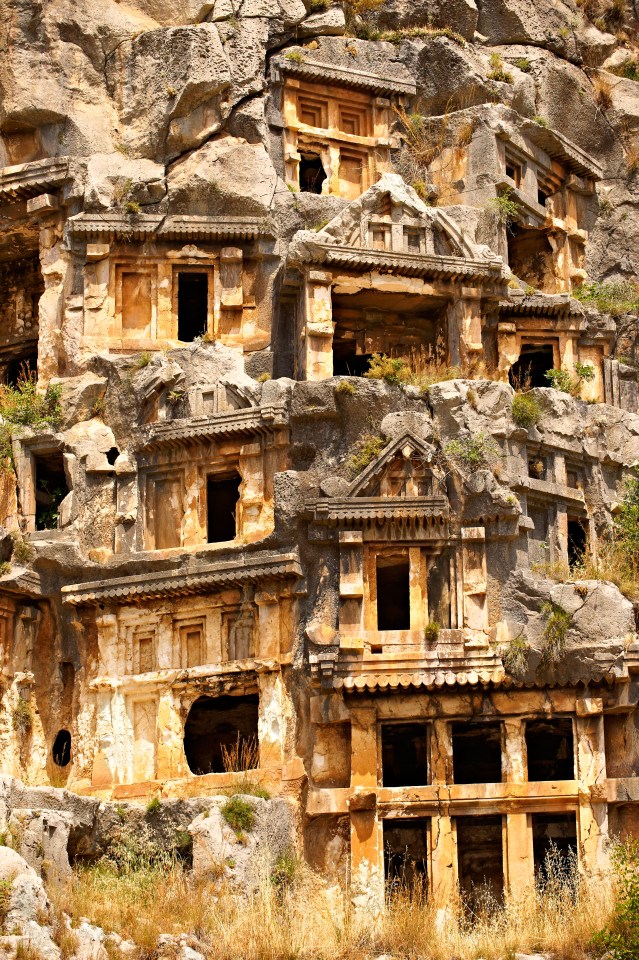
x: 103, y: 755
x: 443, y: 846
x: 351, y: 589
x: 507, y: 349
x: 274, y: 711
x: 519, y: 855
x: 591, y: 772
x: 513, y: 756
x: 268, y: 624
x: 464, y: 333
x: 317, y: 331
x: 171, y: 762
x: 255, y: 516
x: 107, y: 628
x: 417, y: 586
x: 367, y: 851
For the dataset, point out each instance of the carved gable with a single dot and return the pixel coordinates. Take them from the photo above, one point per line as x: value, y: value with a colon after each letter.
x: 405, y: 469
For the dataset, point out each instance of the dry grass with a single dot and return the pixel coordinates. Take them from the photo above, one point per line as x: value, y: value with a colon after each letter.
x: 305, y: 919
x: 419, y: 370
x: 612, y: 563
x: 603, y: 92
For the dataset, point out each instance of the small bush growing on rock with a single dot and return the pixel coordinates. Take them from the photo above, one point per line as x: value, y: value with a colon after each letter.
x: 526, y: 410
x: 239, y: 815
x: 620, y: 939
x: 22, y: 717
x: 474, y: 452
x: 564, y: 381
x: 431, y: 632
x: 540, y: 121
x: 504, y: 208
x: 498, y: 71
x: 515, y: 657
x: 613, y: 298
x: 6, y: 889
x: 22, y: 552
x: 294, y: 56
x: 366, y: 449
x: 25, y: 405
x: 553, y: 641
x: 523, y: 64
x: 393, y: 370
x: 629, y: 69
x: 143, y: 360
x: 603, y: 92
x: 346, y: 387
x: 154, y: 805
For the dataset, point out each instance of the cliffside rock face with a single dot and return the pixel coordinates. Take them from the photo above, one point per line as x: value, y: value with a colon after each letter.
x: 319, y: 438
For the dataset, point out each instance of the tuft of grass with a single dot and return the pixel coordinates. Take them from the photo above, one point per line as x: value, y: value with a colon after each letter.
x: 23, y: 552
x: 154, y: 805
x: 263, y: 377
x: 474, y: 452
x: 515, y: 657
x: 498, y: 71
x: 603, y: 92
x: 242, y: 758
x: 393, y: 370
x: 526, y: 410
x: 431, y: 631
x: 294, y: 56
x: 555, y: 634
x: 346, y: 387
x: 143, y: 360
x: 540, y: 121
x: 6, y: 890
x: 366, y: 449
x: 239, y: 814
x: 416, y: 33
x: 629, y: 69
x: 523, y: 64
x: 22, y: 717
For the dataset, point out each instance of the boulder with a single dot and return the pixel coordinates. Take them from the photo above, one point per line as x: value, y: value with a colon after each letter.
x: 227, y: 175
x: 244, y: 856
x: 43, y: 839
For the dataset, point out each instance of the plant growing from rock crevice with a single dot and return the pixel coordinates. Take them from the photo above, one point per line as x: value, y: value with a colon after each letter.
x: 515, y: 657
x: 526, y: 410
x: 564, y: 381
x: 474, y: 452
x: 366, y: 449
x: 22, y: 717
x: 555, y: 633
x: 240, y: 816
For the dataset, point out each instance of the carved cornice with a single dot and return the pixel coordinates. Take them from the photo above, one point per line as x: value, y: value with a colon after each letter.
x: 181, y: 433
x: 100, y: 226
x: 403, y: 264
x: 207, y: 578
x: 430, y: 513
x: 343, y: 76
x: 30, y: 179
x: 540, y: 305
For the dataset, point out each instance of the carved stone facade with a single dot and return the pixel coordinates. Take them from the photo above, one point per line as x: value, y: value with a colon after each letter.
x: 240, y: 555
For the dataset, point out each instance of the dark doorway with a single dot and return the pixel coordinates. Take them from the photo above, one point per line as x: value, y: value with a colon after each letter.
x: 21, y: 368
x: 193, y: 305
x: 530, y: 369
x: 406, y: 850
x: 222, y: 495
x: 393, y: 593
x: 50, y: 489
x: 404, y: 754
x: 312, y: 173
x: 61, y: 750
x: 218, y: 728
x: 530, y: 257
x: 480, y: 860
x: 555, y: 846
x: 577, y: 542
x: 348, y: 363
x: 550, y: 749
x: 476, y: 752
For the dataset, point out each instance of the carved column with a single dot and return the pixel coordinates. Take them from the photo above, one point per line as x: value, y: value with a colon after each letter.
x: 367, y: 850
x: 591, y: 771
x: 317, y: 332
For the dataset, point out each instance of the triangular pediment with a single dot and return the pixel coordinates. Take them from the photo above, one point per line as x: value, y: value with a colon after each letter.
x: 405, y: 468
x: 391, y: 217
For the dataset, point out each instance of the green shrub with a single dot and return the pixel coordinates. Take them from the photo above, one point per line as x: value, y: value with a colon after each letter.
x: 393, y: 370
x: 613, y: 298
x: 523, y: 64
x: 620, y: 939
x: 24, y: 405
x: 557, y: 625
x: 627, y: 519
x: 294, y: 56
x: 564, y: 381
x: 474, y: 452
x: 345, y: 386
x: 6, y: 890
x: 416, y: 33
x: 505, y: 209
x: 431, y: 631
x: 498, y: 71
x: 284, y: 870
x: 154, y: 805
x: 526, y: 410
x: 540, y: 121
x: 22, y: 552
x: 143, y: 360
x: 629, y: 69
x: 515, y: 657
x: 22, y: 717
x: 366, y: 449
x: 239, y: 814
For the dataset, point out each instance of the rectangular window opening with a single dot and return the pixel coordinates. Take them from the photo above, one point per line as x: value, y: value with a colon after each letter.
x: 393, y: 593
x: 404, y: 754
x: 406, y: 850
x: 554, y: 845
x: 480, y: 860
x: 550, y: 749
x: 476, y: 752
x: 577, y: 541
x: 222, y: 495
x: 50, y: 489
x: 193, y: 305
